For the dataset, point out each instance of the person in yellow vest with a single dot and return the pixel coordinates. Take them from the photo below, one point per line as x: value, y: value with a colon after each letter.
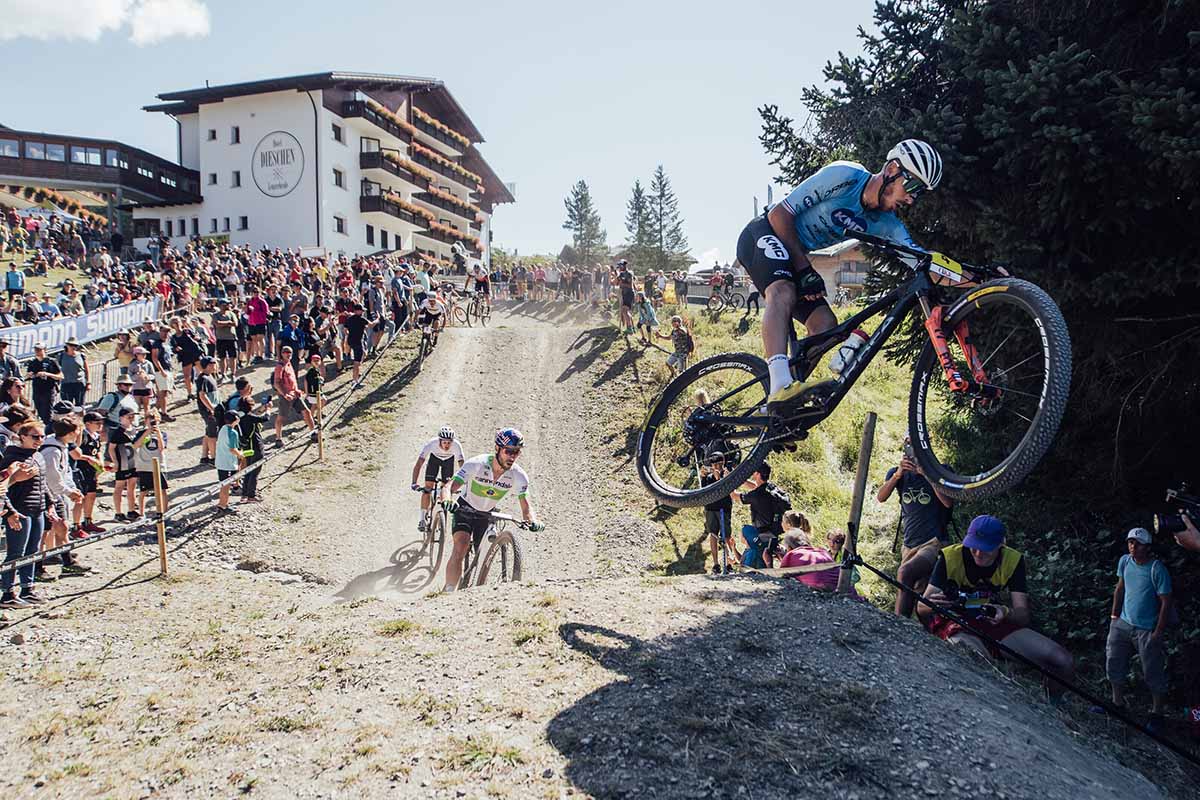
x: 969, y: 579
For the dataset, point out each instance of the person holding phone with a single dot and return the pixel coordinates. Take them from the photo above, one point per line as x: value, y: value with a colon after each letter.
x: 924, y: 518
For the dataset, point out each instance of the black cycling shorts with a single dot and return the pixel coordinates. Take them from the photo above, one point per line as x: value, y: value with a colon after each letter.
x: 469, y: 520
x: 716, y: 522
x: 436, y: 468
x: 766, y: 260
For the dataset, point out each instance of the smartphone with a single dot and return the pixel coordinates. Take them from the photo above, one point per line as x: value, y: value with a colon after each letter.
x: 908, y: 451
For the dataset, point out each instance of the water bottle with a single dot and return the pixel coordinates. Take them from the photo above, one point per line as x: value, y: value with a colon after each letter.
x: 844, y: 356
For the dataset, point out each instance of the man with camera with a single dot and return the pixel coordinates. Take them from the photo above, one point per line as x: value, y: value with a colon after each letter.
x: 1141, y: 608
x: 924, y: 516
x: 967, y: 579
x: 717, y: 515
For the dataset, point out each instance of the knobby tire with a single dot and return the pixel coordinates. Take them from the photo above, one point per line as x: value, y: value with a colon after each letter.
x: 505, y: 555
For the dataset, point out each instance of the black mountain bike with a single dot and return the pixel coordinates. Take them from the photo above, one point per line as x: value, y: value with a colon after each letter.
x: 437, y: 523
x: 504, y: 559
x: 428, y: 340
x: 988, y: 392
x: 724, y: 297
x: 479, y: 309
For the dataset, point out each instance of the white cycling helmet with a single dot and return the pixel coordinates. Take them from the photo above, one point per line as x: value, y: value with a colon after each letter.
x: 919, y: 160
x: 446, y: 433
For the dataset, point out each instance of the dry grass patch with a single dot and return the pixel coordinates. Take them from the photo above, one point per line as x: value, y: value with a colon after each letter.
x: 482, y: 754
x: 397, y: 628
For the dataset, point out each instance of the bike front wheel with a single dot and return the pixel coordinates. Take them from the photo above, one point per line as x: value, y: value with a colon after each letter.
x: 716, y: 303
x: 717, y: 405
x: 504, y: 561
x: 435, y: 537
x: 736, y: 301
x: 980, y: 442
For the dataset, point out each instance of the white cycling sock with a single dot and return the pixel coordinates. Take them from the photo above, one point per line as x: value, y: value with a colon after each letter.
x: 781, y: 374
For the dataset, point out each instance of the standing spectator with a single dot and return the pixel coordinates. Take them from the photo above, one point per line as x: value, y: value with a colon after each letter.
x: 275, y: 305
x: 88, y: 465
x: 767, y: 505
x: 123, y: 351
x: 250, y: 428
x: 400, y: 292
x: 14, y: 281
x: 314, y: 380
x: 114, y: 403
x: 292, y: 337
x: 72, y: 362
x: 188, y: 346
x: 717, y: 515
x: 681, y: 287
x: 164, y: 378
x: 224, y: 324
x: 356, y: 326
x: 682, y: 344
x: 647, y: 319
x: 209, y: 408
x: 289, y: 400
x: 1141, y: 608
x: 625, y: 281
x: 46, y: 377
x: 9, y: 366
x: 24, y: 512
x: 924, y: 517
x: 377, y: 311
x: 229, y: 455
x: 61, y: 489
x: 151, y: 444
x: 142, y: 373
x: 121, y: 461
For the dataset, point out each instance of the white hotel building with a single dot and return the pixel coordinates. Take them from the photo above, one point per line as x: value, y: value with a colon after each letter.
x: 339, y: 162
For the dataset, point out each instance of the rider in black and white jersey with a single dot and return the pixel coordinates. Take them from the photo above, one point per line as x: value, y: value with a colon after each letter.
x: 441, y: 457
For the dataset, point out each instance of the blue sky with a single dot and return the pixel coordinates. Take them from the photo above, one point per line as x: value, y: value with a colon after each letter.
x: 561, y: 92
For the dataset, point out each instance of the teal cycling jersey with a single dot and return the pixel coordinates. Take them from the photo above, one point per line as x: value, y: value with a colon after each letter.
x: 828, y: 209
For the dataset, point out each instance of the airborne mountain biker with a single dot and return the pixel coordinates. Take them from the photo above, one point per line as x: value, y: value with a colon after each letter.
x: 825, y: 209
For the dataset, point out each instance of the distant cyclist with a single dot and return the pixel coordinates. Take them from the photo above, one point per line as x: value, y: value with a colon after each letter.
x: 441, y: 457
x: 482, y: 284
x: 431, y: 312
x: 840, y: 199
x: 488, y: 479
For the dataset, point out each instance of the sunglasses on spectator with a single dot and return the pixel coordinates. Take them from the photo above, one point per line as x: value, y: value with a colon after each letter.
x: 34, y: 436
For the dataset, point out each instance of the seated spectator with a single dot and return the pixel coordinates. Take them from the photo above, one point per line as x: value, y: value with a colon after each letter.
x: 969, y: 579
x: 801, y: 553
x: 1141, y: 609
x: 767, y: 505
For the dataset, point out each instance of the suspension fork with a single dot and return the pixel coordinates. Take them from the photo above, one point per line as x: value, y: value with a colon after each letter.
x: 934, y: 324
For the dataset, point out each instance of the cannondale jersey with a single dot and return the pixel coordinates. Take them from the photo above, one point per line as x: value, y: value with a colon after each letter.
x: 434, y: 450
x: 483, y: 491
x: 830, y: 202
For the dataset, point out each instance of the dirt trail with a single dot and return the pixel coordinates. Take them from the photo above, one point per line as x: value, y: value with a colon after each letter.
x: 293, y: 654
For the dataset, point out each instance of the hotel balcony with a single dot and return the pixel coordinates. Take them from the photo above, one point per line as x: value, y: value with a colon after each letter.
x: 452, y: 144
x: 380, y: 204
x: 465, y: 181
x: 449, y: 239
x: 359, y: 108
x: 378, y: 161
x: 460, y: 211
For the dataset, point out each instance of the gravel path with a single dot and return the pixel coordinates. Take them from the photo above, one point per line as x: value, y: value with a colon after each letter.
x: 296, y: 650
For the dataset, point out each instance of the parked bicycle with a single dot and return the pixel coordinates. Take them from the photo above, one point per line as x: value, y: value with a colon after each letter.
x: 725, y: 298
x: 988, y: 393
x: 504, y: 560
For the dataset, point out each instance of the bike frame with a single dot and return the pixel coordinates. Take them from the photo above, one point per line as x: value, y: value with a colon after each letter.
x: 917, y: 291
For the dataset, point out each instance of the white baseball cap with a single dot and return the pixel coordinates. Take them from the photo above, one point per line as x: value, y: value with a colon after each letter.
x: 1140, y: 534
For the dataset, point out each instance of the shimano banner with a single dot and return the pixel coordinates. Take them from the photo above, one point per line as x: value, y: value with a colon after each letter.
x: 99, y: 324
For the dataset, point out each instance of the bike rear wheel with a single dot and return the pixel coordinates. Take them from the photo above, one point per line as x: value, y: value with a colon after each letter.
x: 679, y: 433
x: 716, y: 303
x: 984, y: 441
x: 736, y: 301
x: 504, y: 561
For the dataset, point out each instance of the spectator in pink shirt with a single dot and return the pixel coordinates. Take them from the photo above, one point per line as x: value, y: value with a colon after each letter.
x: 801, y: 553
x: 257, y: 314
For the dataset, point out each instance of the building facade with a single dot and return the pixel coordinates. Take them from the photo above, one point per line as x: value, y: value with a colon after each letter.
x: 341, y: 163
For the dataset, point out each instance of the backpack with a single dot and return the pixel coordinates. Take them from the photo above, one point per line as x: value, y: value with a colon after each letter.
x: 691, y: 344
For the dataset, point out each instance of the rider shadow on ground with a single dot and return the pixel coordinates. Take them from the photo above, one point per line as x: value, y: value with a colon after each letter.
x: 413, y: 569
x: 793, y: 693
x: 597, y: 341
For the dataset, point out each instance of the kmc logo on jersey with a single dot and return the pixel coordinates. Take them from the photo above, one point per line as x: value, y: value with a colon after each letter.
x: 844, y: 218
x: 772, y: 248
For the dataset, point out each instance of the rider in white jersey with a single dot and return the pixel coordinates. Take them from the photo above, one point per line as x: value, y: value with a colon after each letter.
x: 488, y: 479
x: 441, y: 457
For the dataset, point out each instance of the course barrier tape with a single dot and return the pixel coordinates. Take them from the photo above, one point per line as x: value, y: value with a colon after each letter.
x: 151, y: 521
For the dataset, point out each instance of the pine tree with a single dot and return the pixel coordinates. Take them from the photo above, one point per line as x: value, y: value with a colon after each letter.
x: 668, y: 244
x: 639, y: 225
x: 583, y: 221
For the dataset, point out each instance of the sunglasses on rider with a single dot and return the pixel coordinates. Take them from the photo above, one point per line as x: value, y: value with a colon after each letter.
x: 912, y: 184
x: 511, y: 451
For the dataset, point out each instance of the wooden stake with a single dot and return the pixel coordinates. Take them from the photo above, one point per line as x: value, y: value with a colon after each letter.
x: 845, y: 584
x: 320, y: 426
x: 159, y: 501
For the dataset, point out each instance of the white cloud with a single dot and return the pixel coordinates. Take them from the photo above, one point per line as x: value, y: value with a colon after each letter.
x: 155, y: 20
x: 149, y: 21
x: 707, y: 258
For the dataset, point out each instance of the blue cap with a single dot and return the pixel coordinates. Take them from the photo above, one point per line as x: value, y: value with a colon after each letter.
x: 984, y: 533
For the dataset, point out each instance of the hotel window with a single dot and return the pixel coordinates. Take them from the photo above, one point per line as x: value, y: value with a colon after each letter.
x: 383, y: 240
x: 113, y: 159
x: 35, y: 150
x: 85, y: 155
x: 170, y: 229
x: 225, y: 224
x: 337, y: 133
x: 339, y: 224
x: 145, y: 171
x: 236, y: 181
x: 195, y: 226
x: 182, y: 227
x: 212, y: 134
x: 212, y: 225
x: 243, y: 223
x: 368, y: 145
x: 371, y: 235
x: 56, y: 152
x: 339, y: 178
x: 212, y: 179
x: 235, y: 135
x: 10, y: 148
x: 167, y: 180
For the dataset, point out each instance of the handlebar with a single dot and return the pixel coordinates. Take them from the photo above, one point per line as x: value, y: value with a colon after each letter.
x: 924, y: 256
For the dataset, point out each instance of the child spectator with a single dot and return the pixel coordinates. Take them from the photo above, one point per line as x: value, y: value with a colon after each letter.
x: 647, y: 319
x: 120, y: 458
x: 88, y: 465
x: 314, y: 379
x: 151, y: 444
x: 717, y: 515
x: 141, y: 371
x: 682, y: 344
x: 60, y: 487
x: 229, y: 454
x: 801, y: 553
x: 250, y: 427
x: 209, y: 407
